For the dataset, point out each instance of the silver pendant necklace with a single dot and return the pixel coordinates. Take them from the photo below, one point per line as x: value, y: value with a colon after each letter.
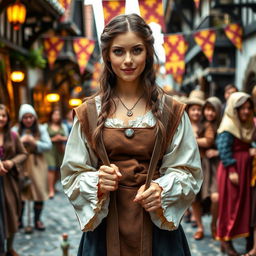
x: 129, y: 110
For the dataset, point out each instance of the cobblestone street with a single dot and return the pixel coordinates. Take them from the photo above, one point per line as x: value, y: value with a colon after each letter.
x: 59, y: 218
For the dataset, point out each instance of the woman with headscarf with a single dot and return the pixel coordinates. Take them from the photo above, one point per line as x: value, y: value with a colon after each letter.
x: 234, y: 172
x: 36, y: 140
x: 211, y: 117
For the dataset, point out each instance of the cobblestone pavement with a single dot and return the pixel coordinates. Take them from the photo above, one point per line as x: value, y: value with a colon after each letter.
x: 59, y: 217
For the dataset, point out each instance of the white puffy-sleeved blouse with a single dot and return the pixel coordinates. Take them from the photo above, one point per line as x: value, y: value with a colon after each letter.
x: 180, y: 174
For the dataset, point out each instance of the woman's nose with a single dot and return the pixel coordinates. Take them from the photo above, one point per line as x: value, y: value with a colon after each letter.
x: 128, y: 58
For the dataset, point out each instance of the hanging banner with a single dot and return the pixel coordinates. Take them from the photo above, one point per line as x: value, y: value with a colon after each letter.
x: 175, y: 48
x: 112, y: 9
x: 206, y: 40
x: 197, y: 3
x: 83, y: 48
x: 52, y: 47
x: 234, y: 33
x: 152, y: 11
x: 96, y: 75
x: 66, y: 4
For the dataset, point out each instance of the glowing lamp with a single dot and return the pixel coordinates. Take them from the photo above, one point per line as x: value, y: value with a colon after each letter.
x: 17, y: 76
x: 53, y: 97
x: 16, y: 14
x: 75, y: 102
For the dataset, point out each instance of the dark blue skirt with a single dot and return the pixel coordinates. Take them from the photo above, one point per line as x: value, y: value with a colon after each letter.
x: 165, y: 243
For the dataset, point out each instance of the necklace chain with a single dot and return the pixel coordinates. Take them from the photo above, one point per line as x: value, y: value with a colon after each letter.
x: 129, y: 110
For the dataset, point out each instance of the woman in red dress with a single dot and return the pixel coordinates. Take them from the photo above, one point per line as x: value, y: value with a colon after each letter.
x: 234, y: 171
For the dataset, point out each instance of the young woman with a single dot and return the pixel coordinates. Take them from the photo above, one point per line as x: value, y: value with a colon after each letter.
x: 211, y: 117
x: 58, y: 134
x: 108, y: 160
x: 12, y: 154
x: 234, y: 172
x: 36, y: 141
x: 204, y: 136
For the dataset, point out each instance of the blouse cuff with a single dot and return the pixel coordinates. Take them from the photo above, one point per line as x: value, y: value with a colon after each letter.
x: 91, y: 209
x: 165, y: 218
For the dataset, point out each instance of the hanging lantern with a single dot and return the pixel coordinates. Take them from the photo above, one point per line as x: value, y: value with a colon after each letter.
x: 52, y: 97
x: 16, y: 14
x: 75, y: 102
x: 17, y: 76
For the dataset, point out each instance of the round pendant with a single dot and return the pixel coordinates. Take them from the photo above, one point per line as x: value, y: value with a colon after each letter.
x: 129, y: 113
x: 129, y: 133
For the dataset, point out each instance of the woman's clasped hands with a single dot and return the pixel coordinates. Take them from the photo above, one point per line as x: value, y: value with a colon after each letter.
x: 109, y: 177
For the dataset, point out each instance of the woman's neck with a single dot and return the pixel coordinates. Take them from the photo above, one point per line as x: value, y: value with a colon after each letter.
x: 195, y: 122
x: 129, y: 89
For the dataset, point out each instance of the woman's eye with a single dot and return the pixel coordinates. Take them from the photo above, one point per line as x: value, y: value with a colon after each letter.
x: 137, y: 50
x: 118, y: 51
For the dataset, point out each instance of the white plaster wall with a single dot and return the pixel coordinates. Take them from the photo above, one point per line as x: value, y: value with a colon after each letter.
x: 242, y: 59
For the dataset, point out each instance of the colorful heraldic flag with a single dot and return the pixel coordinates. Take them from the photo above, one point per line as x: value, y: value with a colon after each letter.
x: 96, y: 75
x: 83, y: 48
x: 52, y: 47
x: 206, y: 40
x: 234, y: 32
x: 197, y: 3
x: 152, y: 11
x: 112, y: 9
x: 175, y: 48
x: 66, y: 5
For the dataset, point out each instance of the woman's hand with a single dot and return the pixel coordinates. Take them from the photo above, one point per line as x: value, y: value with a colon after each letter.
x: 234, y: 177
x: 108, y: 178
x: 210, y: 153
x: 151, y: 198
x: 3, y: 170
x: 8, y: 164
x: 28, y: 139
x: 252, y: 151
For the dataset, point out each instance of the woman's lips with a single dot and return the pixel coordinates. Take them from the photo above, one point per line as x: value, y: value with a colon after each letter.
x: 128, y: 71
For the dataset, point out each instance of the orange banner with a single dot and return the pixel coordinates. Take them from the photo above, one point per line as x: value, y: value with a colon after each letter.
x: 206, y: 40
x: 152, y: 11
x: 234, y: 32
x: 96, y: 75
x: 52, y: 47
x: 175, y: 48
x: 83, y: 48
x: 197, y: 3
x: 112, y: 9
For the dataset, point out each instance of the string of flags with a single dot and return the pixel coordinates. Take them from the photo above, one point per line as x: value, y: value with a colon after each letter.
x: 175, y: 45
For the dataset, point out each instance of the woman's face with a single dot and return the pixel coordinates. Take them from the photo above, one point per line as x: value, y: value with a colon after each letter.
x: 194, y: 113
x: 210, y: 113
x: 56, y: 116
x: 3, y: 119
x: 28, y: 120
x: 127, y: 56
x: 245, y: 112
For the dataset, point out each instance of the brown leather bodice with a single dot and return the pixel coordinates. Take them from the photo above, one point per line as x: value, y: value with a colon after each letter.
x: 132, y: 156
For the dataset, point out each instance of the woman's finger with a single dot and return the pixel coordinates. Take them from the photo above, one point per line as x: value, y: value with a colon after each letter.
x: 108, y: 182
x: 106, y: 176
x: 107, y: 169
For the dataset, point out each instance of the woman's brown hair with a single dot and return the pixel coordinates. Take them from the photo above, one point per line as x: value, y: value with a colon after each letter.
x: 119, y: 25
x: 8, y: 145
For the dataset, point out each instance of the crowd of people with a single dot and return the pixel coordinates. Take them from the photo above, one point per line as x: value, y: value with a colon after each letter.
x: 30, y: 159
x: 225, y: 134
